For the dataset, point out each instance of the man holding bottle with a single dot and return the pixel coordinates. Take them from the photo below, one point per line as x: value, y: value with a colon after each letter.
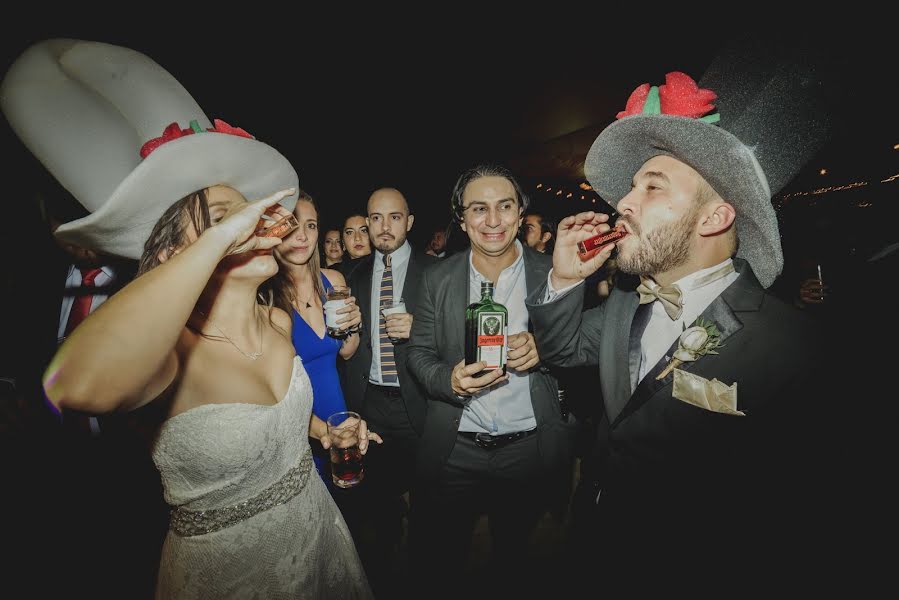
x: 493, y: 443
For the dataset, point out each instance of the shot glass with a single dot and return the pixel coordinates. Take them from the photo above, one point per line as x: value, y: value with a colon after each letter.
x: 279, y: 228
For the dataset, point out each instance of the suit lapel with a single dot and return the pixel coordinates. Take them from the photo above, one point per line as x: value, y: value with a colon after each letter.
x: 534, y: 272
x: 617, y: 392
x: 413, y: 271
x: 743, y: 294
x: 635, y: 351
x: 457, y: 295
x: 363, y: 295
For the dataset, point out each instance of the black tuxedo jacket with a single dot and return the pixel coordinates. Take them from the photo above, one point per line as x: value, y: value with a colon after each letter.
x: 356, y: 370
x: 660, y: 460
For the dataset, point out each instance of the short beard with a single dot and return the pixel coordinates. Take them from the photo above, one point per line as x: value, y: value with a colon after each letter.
x: 665, y: 248
x: 388, y: 246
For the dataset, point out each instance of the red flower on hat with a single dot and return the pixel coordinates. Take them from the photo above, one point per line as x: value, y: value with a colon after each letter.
x: 682, y: 96
x: 222, y: 127
x: 679, y: 96
x: 635, y: 102
x: 173, y: 132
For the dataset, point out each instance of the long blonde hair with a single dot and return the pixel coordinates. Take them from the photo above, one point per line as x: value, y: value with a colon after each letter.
x: 282, y: 287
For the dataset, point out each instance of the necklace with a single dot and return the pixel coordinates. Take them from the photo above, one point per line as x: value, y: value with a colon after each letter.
x: 306, y: 302
x: 251, y: 355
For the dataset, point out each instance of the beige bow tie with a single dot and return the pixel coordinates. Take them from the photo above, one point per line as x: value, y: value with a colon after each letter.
x: 669, y: 296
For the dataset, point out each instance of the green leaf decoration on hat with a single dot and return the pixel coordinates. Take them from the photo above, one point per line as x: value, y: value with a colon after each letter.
x: 652, y: 105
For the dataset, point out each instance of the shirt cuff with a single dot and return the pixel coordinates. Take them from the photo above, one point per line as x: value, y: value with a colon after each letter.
x: 464, y: 400
x: 552, y: 293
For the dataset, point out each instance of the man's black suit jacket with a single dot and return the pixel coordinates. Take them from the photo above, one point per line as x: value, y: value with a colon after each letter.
x: 355, y: 372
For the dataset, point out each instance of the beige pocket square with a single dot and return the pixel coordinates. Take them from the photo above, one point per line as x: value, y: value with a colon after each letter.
x: 709, y: 395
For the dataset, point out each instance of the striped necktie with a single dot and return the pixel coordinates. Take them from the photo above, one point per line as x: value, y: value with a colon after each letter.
x: 388, y: 363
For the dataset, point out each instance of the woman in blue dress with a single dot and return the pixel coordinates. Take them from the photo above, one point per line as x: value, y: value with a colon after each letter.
x: 300, y: 292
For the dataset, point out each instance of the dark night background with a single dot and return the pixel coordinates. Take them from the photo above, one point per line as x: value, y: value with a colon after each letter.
x: 364, y: 103
x: 357, y: 101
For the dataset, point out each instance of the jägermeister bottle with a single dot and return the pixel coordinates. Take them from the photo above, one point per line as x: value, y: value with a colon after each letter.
x: 486, y: 323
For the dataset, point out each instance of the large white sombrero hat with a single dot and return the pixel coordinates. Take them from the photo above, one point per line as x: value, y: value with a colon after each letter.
x: 89, y: 110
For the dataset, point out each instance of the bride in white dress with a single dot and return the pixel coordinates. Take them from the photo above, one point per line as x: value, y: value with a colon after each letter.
x: 249, y: 518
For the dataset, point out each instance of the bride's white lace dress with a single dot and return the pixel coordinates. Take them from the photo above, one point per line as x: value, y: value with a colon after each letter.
x: 251, y: 519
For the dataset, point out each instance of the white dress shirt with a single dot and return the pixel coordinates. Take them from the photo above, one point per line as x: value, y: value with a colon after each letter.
x: 399, y: 265
x: 696, y: 295
x: 504, y: 408
x: 661, y: 331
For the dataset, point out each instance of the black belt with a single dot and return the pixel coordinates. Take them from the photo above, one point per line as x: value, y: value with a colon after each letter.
x: 392, y: 391
x: 492, y: 442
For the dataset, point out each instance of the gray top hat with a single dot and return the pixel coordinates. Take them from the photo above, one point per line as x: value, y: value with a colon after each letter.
x: 774, y: 124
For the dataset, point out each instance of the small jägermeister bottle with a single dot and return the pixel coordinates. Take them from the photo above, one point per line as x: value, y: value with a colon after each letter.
x: 486, y: 324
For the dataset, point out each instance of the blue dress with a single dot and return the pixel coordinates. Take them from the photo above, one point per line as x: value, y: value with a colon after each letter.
x: 320, y: 361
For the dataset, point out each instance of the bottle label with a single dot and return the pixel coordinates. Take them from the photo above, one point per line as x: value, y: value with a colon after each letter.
x: 492, y: 339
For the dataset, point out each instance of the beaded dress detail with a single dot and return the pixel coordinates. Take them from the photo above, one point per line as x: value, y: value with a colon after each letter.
x: 248, y: 520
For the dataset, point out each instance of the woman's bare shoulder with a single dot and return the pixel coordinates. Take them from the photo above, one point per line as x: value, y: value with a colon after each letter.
x: 335, y: 277
x: 280, y: 318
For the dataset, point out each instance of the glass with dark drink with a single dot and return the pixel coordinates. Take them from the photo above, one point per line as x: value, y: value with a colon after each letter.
x: 346, y: 457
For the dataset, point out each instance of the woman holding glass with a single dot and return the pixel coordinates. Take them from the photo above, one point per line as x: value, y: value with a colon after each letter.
x: 300, y: 288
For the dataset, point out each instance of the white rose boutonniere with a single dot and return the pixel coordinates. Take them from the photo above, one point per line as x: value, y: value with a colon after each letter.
x: 701, y: 339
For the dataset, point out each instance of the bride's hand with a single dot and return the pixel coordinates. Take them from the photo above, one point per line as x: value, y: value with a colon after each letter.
x: 240, y: 223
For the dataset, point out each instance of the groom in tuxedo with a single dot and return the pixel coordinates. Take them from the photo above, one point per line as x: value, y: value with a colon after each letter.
x: 707, y: 441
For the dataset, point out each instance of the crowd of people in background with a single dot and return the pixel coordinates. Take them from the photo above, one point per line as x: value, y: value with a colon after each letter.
x: 660, y: 395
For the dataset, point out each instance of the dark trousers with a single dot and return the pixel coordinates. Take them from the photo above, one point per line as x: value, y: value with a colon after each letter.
x: 653, y: 534
x: 389, y: 467
x: 509, y: 484
x: 375, y: 509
